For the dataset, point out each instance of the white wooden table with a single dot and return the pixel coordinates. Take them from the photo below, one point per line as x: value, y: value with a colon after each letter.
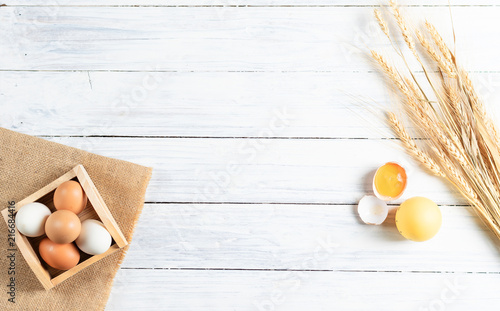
x: 253, y: 115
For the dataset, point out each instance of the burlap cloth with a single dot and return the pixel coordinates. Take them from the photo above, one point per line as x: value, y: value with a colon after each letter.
x: 28, y: 163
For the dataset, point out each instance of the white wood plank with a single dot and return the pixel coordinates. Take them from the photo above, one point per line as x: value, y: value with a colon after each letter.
x: 203, y: 104
x: 234, y: 39
x: 263, y: 236
x: 245, y: 3
x: 253, y: 170
x: 192, y: 104
x: 282, y: 290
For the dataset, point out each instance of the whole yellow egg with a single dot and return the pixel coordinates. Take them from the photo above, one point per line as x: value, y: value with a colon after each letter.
x: 418, y: 219
x: 70, y: 196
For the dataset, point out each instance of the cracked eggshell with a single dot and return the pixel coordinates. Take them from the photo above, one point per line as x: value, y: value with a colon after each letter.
x: 372, y: 210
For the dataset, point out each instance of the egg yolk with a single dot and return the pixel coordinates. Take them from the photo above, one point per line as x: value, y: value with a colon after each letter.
x: 390, y: 180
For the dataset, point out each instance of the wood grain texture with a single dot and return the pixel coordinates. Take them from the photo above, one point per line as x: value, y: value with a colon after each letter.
x: 194, y: 104
x: 284, y: 236
x: 211, y: 39
x: 264, y: 170
x: 222, y: 105
x: 288, y: 290
x: 241, y: 3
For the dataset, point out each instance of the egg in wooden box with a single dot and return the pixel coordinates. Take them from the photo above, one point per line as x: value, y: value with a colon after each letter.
x: 94, y: 239
x: 70, y: 196
x: 30, y: 219
x: 34, y: 249
x: 63, y: 227
x: 59, y: 256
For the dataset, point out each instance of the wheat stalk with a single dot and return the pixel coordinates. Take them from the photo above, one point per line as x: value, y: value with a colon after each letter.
x: 403, y: 26
x: 412, y: 147
x: 382, y: 23
x: 390, y: 72
x: 442, y: 63
x: 462, y: 140
x: 438, y: 40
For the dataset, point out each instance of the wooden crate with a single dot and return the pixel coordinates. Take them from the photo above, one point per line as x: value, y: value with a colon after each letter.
x: 95, y: 209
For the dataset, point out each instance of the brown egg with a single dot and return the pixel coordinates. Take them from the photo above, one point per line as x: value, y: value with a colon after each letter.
x: 59, y: 256
x: 70, y: 196
x: 63, y: 227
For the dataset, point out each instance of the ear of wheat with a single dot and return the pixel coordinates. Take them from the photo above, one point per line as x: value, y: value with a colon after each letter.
x: 460, y: 141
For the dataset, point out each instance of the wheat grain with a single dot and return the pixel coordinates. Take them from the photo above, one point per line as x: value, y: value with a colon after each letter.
x: 455, y: 175
x: 442, y: 63
x: 382, y: 23
x: 390, y: 71
x: 478, y: 107
x: 403, y: 26
x: 415, y: 91
x: 438, y: 40
x: 412, y: 147
x: 453, y: 100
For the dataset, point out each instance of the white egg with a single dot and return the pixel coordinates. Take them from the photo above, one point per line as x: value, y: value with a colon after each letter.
x: 94, y: 239
x: 372, y: 210
x: 30, y: 219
